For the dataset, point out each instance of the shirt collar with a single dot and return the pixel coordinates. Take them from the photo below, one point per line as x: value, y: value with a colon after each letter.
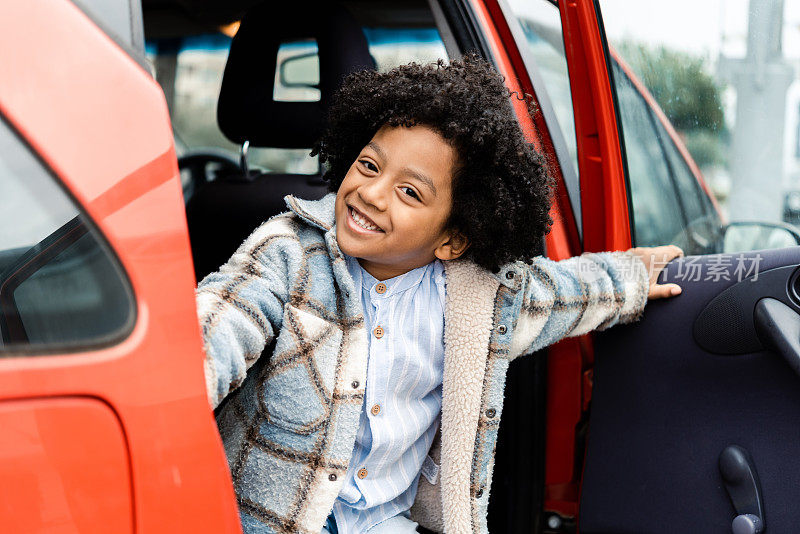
x: 398, y: 284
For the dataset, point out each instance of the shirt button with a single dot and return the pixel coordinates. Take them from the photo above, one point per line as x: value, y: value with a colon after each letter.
x: 380, y: 288
x: 355, y: 384
x: 362, y: 473
x: 376, y: 409
x: 378, y: 331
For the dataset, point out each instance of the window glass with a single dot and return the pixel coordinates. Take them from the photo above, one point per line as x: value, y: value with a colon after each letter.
x: 703, y: 228
x: 725, y: 73
x: 543, y: 52
x: 688, y: 188
x: 60, y: 287
x: 656, y: 212
x: 542, y: 27
x: 190, y: 70
x: 297, y: 72
x: 390, y: 47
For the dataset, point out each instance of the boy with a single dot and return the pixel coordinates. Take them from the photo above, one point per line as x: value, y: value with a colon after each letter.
x: 396, y: 305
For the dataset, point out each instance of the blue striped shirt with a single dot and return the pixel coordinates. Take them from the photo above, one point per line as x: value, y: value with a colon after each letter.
x: 404, y: 317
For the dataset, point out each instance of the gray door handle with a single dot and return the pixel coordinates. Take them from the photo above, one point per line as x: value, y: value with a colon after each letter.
x: 741, y: 480
x: 778, y: 327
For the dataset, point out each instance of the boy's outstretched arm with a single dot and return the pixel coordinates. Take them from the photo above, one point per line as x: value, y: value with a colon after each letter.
x: 240, y: 307
x: 593, y: 291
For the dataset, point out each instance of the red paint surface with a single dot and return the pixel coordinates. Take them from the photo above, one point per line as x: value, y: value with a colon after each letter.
x: 604, y: 199
x: 101, y: 123
x: 64, y: 466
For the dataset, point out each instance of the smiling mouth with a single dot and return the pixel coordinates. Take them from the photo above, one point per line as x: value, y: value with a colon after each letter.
x: 362, y: 221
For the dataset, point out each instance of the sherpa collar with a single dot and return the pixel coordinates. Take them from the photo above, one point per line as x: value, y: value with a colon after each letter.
x: 320, y: 213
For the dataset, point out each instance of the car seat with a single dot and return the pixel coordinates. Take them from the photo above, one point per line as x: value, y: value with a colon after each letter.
x: 223, y: 212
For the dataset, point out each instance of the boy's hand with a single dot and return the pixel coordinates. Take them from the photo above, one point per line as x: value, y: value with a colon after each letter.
x: 655, y: 259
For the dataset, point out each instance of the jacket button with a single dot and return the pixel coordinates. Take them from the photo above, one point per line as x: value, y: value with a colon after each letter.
x: 510, y: 275
x: 502, y: 329
x: 362, y: 473
x: 332, y: 477
x: 491, y: 412
x: 355, y: 384
x: 376, y: 409
x: 479, y: 493
x: 379, y: 331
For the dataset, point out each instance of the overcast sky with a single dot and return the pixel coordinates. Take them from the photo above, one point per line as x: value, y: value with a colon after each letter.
x: 700, y: 26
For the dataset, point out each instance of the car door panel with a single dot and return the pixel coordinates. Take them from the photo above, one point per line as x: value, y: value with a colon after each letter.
x: 94, y: 131
x: 664, y: 408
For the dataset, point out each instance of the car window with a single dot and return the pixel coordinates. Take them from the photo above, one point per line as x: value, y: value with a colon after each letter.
x: 190, y: 70
x: 703, y: 226
x: 657, y: 214
x: 537, y: 25
x: 727, y: 82
x: 60, y: 286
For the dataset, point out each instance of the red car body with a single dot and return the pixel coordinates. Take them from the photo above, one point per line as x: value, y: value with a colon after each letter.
x: 121, y: 438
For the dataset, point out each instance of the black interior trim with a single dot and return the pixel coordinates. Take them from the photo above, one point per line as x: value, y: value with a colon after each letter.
x: 464, y: 26
x: 516, y: 501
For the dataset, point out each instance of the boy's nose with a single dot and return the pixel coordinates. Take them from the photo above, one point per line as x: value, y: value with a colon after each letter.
x: 375, y: 193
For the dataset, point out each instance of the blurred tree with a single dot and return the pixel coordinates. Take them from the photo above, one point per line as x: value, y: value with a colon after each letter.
x: 687, y: 93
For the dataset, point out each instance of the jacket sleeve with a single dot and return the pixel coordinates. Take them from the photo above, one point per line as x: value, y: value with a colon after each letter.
x: 240, y: 307
x: 571, y: 297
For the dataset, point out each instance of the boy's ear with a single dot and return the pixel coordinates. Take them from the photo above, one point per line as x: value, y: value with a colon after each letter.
x: 455, y: 246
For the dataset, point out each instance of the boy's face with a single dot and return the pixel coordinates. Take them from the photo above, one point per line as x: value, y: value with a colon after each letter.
x: 393, y: 204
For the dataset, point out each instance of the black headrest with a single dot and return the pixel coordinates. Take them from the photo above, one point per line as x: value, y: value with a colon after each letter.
x: 246, y: 110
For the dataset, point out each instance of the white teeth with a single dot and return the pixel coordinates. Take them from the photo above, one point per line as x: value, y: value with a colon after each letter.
x: 361, y: 221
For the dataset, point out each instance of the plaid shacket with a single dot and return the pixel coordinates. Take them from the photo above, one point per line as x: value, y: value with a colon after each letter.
x: 290, y: 421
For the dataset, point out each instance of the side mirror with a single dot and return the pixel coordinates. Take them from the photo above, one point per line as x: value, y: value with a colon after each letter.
x: 743, y: 236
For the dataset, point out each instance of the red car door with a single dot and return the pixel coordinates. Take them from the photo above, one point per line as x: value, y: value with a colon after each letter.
x: 691, y: 413
x: 696, y: 408
x: 106, y: 427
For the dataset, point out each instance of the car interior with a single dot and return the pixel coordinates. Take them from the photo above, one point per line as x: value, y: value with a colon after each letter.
x: 228, y: 192
x: 223, y: 210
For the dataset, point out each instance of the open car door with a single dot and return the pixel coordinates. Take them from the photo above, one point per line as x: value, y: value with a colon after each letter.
x: 695, y: 411
x: 696, y: 408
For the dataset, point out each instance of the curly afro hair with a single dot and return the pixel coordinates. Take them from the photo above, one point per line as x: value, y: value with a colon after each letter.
x: 501, y: 187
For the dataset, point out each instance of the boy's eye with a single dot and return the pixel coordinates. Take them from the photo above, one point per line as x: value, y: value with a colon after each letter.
x: 410, y: 192
x: 369, y: 165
